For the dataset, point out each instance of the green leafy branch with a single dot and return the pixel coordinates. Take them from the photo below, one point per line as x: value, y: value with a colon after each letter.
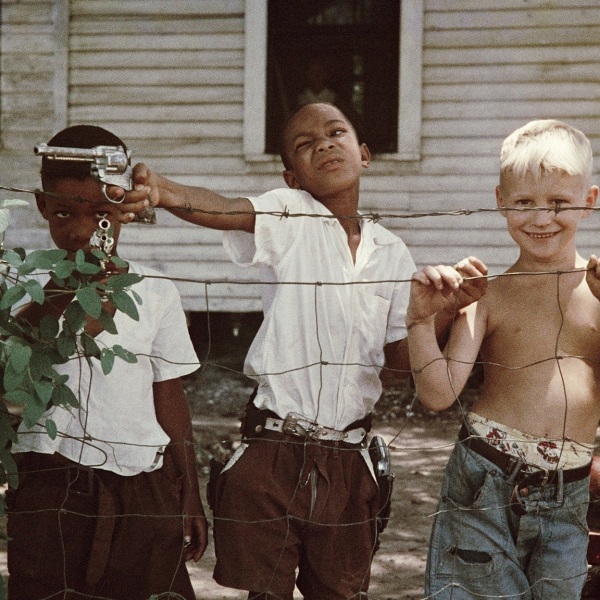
x: 29, y: 353
x: 29, y: 382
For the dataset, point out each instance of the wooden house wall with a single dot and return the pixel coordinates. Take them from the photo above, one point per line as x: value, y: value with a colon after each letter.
x: 168, y: 78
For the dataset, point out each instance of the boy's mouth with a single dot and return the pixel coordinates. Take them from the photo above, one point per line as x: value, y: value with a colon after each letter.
x: 330, y: 162
x: 541, y: 236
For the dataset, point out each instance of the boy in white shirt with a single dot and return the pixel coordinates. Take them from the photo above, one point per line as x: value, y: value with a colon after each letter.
x: 299, y: 494
x: 110, y: 507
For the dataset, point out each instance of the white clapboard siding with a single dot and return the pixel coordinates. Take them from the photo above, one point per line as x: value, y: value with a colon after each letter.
x: 168, y: 77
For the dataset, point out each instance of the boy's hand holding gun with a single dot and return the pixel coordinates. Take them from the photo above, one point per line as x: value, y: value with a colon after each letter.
x: 110, y: 165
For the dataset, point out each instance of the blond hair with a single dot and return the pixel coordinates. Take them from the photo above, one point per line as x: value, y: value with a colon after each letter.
x: 546, y: 145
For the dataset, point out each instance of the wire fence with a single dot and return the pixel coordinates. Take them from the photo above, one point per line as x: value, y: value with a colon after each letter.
x: 418, y: 465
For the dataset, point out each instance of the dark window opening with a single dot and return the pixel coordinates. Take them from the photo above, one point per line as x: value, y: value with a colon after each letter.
x: 340, y: 51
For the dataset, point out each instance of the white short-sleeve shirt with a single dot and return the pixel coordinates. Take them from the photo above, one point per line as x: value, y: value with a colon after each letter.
x: 116, y: 427
x: 319, y: 350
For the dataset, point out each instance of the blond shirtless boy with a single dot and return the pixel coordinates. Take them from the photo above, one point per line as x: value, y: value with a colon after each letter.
x: 512, y: 512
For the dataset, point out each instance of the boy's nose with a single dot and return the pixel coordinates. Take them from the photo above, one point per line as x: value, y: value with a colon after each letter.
x: 81, y: 235
x: 542, y: 217
x: 324, y: 144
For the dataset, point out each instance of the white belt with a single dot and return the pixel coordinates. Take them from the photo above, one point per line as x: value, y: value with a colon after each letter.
x: 297, y: 425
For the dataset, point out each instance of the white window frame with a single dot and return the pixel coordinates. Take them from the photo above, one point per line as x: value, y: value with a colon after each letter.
x: 410, y: 82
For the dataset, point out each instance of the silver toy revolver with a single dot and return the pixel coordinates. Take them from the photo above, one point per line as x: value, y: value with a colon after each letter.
x: 111, y: 165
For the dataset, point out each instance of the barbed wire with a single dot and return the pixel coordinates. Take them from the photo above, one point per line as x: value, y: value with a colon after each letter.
x: 322, y: 362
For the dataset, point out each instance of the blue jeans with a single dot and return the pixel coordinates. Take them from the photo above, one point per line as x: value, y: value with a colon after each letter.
x: 480, y: 548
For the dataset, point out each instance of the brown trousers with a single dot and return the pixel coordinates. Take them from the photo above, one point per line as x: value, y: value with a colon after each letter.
x: 77, y: 533
x: 287, y: 504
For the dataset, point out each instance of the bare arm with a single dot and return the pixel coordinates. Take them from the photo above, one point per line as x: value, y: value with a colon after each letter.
x: 470, y: 290
x: 173, y: 416
x: 440, y: 376
x: 197, y: 205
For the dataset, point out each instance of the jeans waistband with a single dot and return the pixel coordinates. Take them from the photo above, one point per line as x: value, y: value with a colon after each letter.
x: 513, y: 467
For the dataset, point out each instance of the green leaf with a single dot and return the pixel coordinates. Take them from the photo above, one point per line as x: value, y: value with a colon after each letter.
x: 90, y: 301
x: 89, y: 269
x: 119, y: 262
x: 123, y: 280
x: 51, y: 428
x: 43, y: 361
x: 12, y: 296
x: 12, y: 257
x: 107, y: 360
x: 49, y: 327
x: 90, y: 348
x: 20, y: 397
x: 44, y: 390
x: 12, y: 379
x: 32, y: 411
x: 64, y: 268
x: 19, y: 353
x: 74, y: 317
x: 63, y: 396
x: 124, y: 354
x: 66, y: 344
x: 79, y: 257
x: 107, y: 322
x: 7, y: 433
x: 35, y: 290
x: 44, y: 260
x: 10, y: 467
x: 125, y: 304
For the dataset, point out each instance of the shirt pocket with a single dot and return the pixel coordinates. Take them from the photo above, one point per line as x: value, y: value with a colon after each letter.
x: 371, y: 323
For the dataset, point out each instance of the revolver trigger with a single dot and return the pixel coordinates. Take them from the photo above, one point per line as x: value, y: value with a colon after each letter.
x: 113, y: 200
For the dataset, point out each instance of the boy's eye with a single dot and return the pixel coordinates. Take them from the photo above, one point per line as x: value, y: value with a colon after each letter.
x: 523, y: 202
x: 337, y: 132
x: 558, y: 203
x: 301, y: 145
x: 61, y: 214
x: 102, y: 214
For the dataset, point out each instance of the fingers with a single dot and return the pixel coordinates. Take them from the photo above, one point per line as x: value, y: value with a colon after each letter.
x: 471, y: 267
x: 593, y: 268
x: 443, y: 276
x: 128, y: 210
x: 196, y: 539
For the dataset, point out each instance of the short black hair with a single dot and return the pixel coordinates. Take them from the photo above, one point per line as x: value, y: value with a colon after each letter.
x: 77, y: 136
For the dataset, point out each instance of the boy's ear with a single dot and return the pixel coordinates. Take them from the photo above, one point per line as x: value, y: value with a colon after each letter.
x: 365, y: 154
x: 590, y: 200
x: 291, y: 181
x: 500, y: 200
x: 40, y: 200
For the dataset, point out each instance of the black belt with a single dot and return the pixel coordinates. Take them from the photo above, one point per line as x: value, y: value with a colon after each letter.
x: 508, y: 463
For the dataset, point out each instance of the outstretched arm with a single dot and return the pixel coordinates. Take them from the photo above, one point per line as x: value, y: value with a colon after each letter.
x: 173, y: 416
x: 440, y: 376
x: 197, y: 205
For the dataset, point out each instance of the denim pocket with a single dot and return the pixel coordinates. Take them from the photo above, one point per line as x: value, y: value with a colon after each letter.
x: 466, y: 479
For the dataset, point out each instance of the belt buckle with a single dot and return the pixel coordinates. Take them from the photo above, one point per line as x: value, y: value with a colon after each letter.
x: 546, y: 476
x: 295, y: 424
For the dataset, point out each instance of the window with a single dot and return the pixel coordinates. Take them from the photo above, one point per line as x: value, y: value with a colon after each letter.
x: 371, y: 51
x: 344, y: 52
